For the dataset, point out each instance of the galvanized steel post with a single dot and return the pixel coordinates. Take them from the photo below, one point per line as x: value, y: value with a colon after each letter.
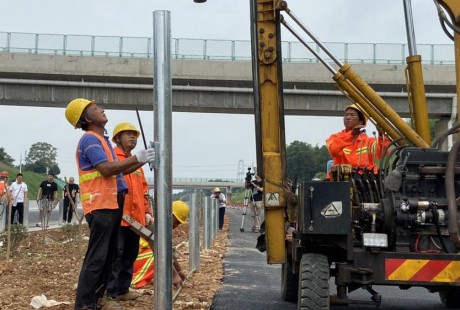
x: 212, y: 222
x: 194, y: 233
x: 162, y: 107
x: 206, y: 223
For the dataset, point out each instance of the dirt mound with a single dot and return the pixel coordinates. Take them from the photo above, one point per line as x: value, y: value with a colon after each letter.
x: 49, y: 264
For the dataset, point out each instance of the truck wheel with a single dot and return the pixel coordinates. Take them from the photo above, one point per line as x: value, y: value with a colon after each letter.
x: 450, y: 298
x: 289, y: 283
x: 313, y: 282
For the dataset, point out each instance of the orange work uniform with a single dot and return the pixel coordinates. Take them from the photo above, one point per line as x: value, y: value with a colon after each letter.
x: 136, y: 206
x: 363, y: 153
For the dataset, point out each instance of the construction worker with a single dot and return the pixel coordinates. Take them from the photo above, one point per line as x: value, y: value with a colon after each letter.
x: 4, y: 195
x: 47, y: 199
x: 102, y: 194
x: 143, y: 266
x: 216, y: 194
x: 136, y: 206
x: 352, y: 145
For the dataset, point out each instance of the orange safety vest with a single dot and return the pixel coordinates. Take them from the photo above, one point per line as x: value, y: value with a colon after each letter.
x: 2, y: 187
x: 365, y: 152
x: 96, y: 191
x: 143, y: 268
x: 135, y: 203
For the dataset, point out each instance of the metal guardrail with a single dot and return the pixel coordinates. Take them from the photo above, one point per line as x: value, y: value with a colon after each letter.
x: 226, y: 50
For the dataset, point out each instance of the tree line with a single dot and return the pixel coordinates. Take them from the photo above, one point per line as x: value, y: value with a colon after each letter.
x: 41, y: 158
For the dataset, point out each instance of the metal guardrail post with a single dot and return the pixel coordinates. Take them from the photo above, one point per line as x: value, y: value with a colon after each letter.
x: 64, y: 44
x: 216, y: 218
x: 26, y: 213
x: 194, y: 233
x: 205, y: 49
x: 207, y: 224
x: 37, y: 38
x: 93, y: 45
x: 8, y: 41
x: 162, y: 95
x: 213, y: 218
x: 120, y: 47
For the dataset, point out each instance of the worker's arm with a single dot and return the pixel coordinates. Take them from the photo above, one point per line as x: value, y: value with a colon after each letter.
x: 179, y: 270
x: 336, y: 142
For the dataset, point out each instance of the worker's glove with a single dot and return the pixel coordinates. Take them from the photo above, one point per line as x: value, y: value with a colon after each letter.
x: 146, y: 156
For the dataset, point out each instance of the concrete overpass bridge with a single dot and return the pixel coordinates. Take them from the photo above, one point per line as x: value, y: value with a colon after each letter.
x: 50, y: 70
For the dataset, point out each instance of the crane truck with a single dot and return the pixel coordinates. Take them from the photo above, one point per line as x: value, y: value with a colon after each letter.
x: 398, y: 227
x: 404, y: 230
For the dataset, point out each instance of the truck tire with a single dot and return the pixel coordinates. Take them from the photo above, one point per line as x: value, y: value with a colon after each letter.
x: 313, y: 282
x: 289, y: 283
x: 450, y: 298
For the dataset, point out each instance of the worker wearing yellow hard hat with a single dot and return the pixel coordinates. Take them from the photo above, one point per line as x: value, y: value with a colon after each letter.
x: 143, y: 266
x: 137, y: 207
x: 102, y: 192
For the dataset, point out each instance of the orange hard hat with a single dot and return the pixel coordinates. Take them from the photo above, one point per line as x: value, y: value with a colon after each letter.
x: 4, y: 174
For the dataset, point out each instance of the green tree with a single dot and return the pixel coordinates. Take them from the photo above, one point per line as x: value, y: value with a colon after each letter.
x: 41, y: 158
x: 306, y: 160
x: 5, y: 157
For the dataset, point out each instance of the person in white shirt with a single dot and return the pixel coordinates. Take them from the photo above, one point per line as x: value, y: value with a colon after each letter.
x: 216, y: 194
x: 18, y: 193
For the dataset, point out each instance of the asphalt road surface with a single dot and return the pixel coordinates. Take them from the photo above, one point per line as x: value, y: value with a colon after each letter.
x: 250, y: 283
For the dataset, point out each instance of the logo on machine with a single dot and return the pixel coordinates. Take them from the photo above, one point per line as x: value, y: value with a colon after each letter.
x: 332, y: 210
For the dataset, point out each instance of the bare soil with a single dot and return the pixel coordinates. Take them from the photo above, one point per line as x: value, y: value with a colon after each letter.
x: 48, y: 263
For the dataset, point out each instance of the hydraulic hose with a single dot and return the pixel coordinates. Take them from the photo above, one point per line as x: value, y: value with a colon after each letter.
x: 450, y: 194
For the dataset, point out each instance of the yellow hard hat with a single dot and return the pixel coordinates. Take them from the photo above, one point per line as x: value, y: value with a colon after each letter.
x: 75, y: 109
x: 124, y: 127
x: 180, y: 211
x: 216, y: 190
x: 363, y: 116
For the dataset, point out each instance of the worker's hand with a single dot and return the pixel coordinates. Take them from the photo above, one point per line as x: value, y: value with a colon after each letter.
x: 148, y: 219
x: 358, y: 130
x: 177, y: 280
x: 146, y: 156
x: 182, y: 275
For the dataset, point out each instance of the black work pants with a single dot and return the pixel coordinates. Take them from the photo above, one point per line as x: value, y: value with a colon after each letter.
x: 68, y: 212
x: 122, y: 272
x: 20, y: 209
x: 221, y: 217
x: 104, y: 225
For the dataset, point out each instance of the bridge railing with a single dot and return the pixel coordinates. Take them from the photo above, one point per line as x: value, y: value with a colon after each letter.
x: 200, y: 180
x: 204, y: 49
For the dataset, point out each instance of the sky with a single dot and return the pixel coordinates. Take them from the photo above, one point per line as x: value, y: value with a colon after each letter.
x: 204, y: 145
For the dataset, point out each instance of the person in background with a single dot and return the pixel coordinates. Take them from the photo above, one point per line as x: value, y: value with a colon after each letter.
x: 18, y: 193
x: 47, y: 198
x: 256, y: 203
x: 216, y: 194
x: 4, y: 197
x: 136, y: 206
x: 102, y: 193
x: 72, y: 193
